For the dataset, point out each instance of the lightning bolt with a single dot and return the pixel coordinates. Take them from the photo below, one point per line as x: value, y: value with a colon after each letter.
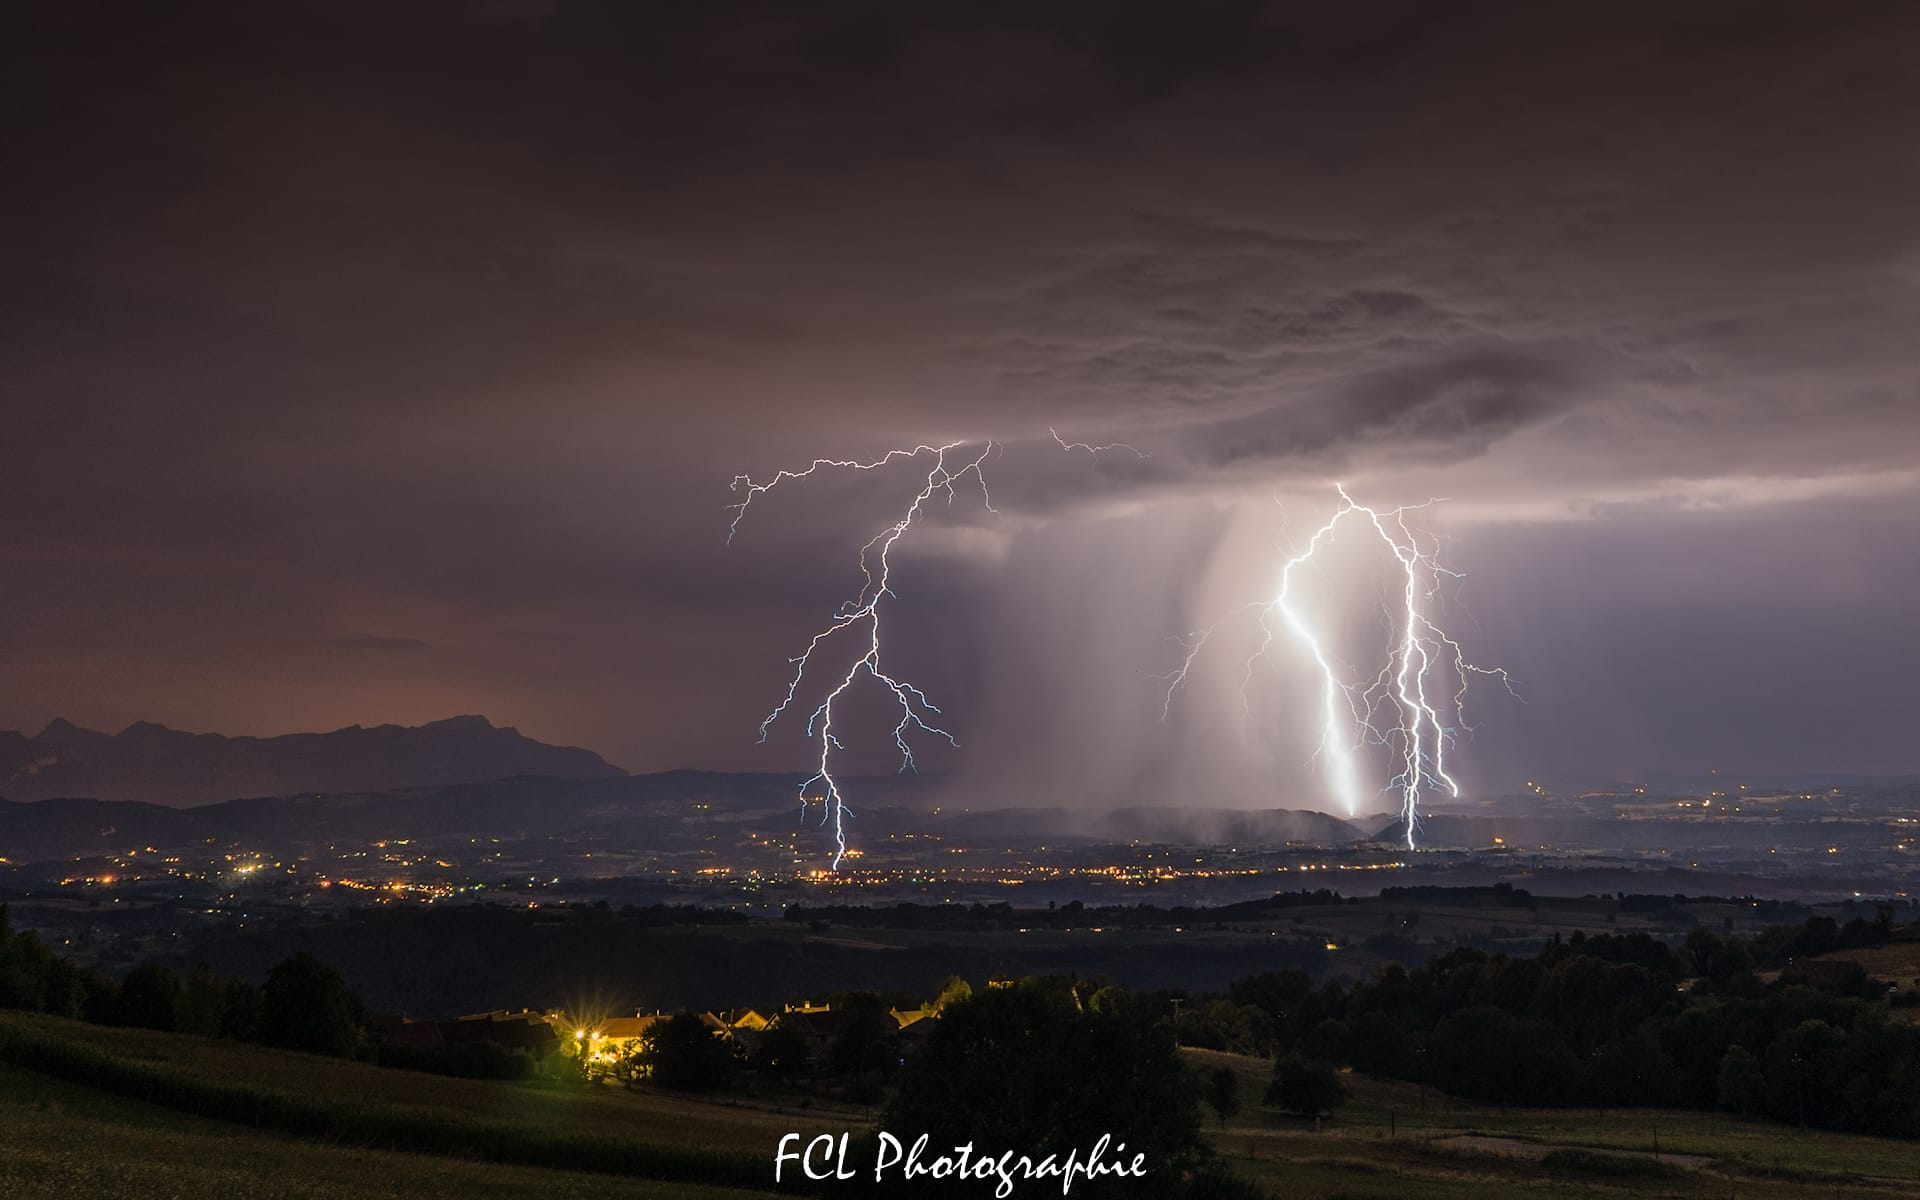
x: 949, y: 464
x: 1064, y: 444
x: 1424, y: 726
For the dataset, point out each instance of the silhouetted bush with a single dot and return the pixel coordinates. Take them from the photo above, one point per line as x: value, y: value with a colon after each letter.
x: 1305, y: 1086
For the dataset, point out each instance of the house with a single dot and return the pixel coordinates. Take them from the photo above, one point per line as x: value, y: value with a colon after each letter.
x: 819, y: 1026
x: 904, y: 1017
x: 607, y: 1040
x: 402, y: 1031
x: 529, y: 1031
x: 913, y: 1038
x: 747, y: 1019
x: 616, y: 1036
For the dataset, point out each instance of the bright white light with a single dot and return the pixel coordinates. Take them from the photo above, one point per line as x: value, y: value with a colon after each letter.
x: 1423, y: 727
x: 952, y: 462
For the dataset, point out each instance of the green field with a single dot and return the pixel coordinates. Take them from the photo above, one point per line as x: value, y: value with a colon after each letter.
x: 612, y: 1112
x: 369, y: 1130
x: 61, y: 1140
x: 60, y: 1137
x: 1383, y: 1144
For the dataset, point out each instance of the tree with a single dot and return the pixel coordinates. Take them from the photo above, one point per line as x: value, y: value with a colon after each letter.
x: 1224, y: 1025
x: 150, y: 997
x: 781, y: 1053
x: 240, y: 1020
x: 1742, y: 1087
x: 1378, y: 1045
x: 1305, y: 1087
x: 1223, y: 1092
x: 203, y: 1003
x: 1026, y: 1067
x: 952, y: 991
x: 1484, y: 1053
x: 682, y: 1054
x: 865, y: 1045
x: 1706, y: 954
x: 567, y: 1067
x: 1801, y: 1069
x: 66, y: 988
x: 306, y: 1006
x: 1327, y: 1040
x: 23, y: 968
x: 1633, y: 1070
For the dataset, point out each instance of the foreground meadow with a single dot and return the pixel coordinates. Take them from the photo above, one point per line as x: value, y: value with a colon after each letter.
x: 134, y: 1112
x: 62, y: 1141
x: 1396, y: 1141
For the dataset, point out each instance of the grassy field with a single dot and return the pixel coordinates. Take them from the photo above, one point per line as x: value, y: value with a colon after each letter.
x: 1383, y: 1145
x: 605, y: 1111
x: 1896, y: 962
x: 60, y: 1141
x: 438, y: 1120
x: 64, y: 1139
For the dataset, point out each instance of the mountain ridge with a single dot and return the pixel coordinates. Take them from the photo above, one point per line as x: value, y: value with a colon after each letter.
x: 150, y: 762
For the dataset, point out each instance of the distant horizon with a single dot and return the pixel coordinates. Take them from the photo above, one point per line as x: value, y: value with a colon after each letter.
x: 1665, y: 774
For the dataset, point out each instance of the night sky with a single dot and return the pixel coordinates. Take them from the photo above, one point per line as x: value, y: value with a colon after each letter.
x: 379, y: 362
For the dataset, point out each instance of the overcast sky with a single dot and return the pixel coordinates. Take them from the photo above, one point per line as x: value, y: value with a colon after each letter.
x: 379, y: 362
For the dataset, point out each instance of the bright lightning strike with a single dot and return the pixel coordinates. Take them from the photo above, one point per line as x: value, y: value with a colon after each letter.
x: 951, y: 463
x: 1424, y: 724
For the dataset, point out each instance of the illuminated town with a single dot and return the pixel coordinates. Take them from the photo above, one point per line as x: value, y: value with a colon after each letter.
x: 1835, y: 845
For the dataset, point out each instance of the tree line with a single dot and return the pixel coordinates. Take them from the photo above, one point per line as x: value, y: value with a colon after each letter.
x: 1758, y: 1026
x: 1611, y: 1020
x: 1002, y: 916
x: 303, y: 1005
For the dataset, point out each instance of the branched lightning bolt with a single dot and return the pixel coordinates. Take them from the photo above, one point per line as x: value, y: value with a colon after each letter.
x: 950, y: 465
x: 1423, y: 726
x: 1094, y: 450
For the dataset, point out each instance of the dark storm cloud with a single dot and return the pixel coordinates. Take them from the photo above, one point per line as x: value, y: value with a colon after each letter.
x: 451, y: 322
x: 1454, y: 407
x: 378, y: 645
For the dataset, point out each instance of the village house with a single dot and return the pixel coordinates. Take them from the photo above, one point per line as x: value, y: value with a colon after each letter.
x: 613, y: 1038
x: 904, y: 1017
x: 529, y: 1031
x: 406, y: 1033
x: 523, y: 1031
x: 819, y: 1025
x: 746, y: 1019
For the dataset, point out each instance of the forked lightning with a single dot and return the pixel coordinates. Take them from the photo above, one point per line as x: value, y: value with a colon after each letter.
x: 1425, y: 723
x: 951, y: 464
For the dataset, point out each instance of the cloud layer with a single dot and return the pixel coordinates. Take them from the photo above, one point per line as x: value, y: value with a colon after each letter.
x: 380, y: 363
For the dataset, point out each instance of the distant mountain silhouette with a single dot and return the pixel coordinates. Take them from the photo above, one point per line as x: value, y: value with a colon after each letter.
x: 154, y: 764
x: 669, y: 810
